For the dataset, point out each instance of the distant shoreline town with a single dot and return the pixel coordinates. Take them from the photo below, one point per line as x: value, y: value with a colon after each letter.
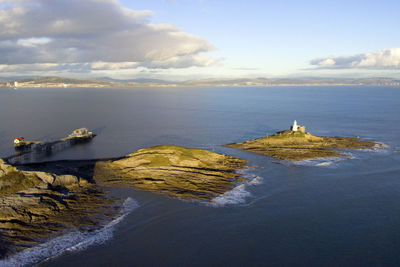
x: 60, y: 82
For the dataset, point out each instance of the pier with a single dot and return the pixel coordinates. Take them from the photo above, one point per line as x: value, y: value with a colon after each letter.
x: 36, y: 150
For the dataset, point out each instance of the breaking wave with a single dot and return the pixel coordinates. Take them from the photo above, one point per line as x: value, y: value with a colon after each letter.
x: 321, y: 162
x: 239, y: 194
x: 72, y: 241
x: 332, y: 162
x: 380, y: 148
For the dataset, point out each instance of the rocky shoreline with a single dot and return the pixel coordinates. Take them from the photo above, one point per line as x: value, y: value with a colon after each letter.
x: 176, y: 171
x: 43, y: 200
x: 47, y: 205
x: 296, y: 146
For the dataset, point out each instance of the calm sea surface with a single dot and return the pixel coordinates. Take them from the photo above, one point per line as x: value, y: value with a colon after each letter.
x: 312, y: 213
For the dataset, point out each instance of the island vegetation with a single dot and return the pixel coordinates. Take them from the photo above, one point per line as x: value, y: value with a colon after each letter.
x: 299, y: 145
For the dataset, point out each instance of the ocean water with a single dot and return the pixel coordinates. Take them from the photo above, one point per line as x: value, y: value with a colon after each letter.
x: 330, y: 212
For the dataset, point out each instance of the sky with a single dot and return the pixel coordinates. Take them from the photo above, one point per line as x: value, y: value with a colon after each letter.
x: 197, y: 39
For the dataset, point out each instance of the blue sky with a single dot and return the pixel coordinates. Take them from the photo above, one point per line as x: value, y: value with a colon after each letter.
x: 234, y: 38
x: 281, y: 37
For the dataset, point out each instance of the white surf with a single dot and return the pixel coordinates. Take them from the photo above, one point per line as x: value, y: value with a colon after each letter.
x: 72, y: 241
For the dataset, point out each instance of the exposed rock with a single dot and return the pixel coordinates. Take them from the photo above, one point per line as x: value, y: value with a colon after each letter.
x: 33, y: 215
x: 44, y: 200
x: 13, y: 181
x: 43, y: 176
x: 291, y: 145
x: 173, y: 170
x: 65, y: 180
x: 4, y: 168
x: 37, y: 205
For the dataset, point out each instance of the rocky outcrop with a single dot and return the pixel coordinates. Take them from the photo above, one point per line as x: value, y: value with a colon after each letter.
x: 4, y: 168
x: 181, y: 172
x: 12, y: 180
x: 37, y: 205
x: 46, y: 199
x: 291, y: 145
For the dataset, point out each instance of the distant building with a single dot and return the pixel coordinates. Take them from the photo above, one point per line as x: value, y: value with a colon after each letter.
x: 15, y: 84
x: 18, y: 140
x: 297, y: 128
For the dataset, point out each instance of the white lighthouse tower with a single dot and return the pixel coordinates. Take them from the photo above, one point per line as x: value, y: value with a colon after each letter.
x: 298, y: 128
x: 295, y: 127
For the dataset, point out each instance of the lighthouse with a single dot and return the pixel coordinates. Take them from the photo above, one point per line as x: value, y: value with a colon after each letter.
x: 297, y: 128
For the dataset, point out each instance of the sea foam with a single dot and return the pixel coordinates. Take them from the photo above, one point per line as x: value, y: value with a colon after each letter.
x: 320, y: 162
x: 72, y: 241
x: 240, y: 193
x: 381, y: 149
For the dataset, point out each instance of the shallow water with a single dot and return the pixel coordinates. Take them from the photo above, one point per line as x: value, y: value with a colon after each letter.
x: 323, y: 212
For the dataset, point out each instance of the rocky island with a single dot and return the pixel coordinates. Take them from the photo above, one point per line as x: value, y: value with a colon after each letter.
x: 186, y: 173
x: 42, y: 200
x: 296, y: 144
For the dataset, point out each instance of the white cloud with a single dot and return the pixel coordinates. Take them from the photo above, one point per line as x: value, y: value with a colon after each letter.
x: 92, y: 34
x: 33, y: 42
x: 182, y: 62
x: 113, y: 65
x: 383, y: 59
x: 45, y: 67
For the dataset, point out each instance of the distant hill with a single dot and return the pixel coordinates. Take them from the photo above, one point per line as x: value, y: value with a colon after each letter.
x: 44, y: 80
x: 294, y: 82
x: 138, y: 80
x: 143, y: 82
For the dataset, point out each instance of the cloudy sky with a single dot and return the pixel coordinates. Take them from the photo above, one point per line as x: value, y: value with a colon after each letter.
x: 189, y: 39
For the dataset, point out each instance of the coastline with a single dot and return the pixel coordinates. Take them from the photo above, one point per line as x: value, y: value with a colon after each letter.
x: 62, y: 82
x: 295, y: 146
x: 65, y: 195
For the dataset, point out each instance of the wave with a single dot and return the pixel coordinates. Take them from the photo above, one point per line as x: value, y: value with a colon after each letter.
x: 71, y: 242
x: 239, y: 194
x: 332, y: 162
x: 379, y: 148
x: 320, y: 162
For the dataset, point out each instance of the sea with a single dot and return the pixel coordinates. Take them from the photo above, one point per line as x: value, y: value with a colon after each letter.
x: 326, y: 212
